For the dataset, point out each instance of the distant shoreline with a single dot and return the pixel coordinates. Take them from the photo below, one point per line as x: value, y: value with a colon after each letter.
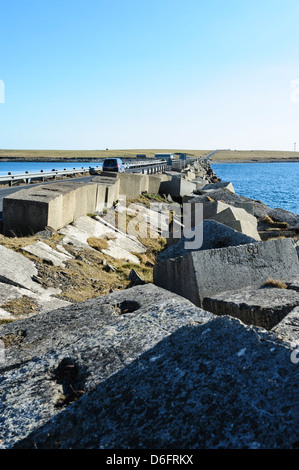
x: 96, y: 159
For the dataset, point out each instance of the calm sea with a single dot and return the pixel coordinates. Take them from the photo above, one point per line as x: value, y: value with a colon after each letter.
x: 20, y: 167
x: 275, y: 184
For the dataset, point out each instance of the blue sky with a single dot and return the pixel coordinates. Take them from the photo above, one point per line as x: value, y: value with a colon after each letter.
x: 120, y: 74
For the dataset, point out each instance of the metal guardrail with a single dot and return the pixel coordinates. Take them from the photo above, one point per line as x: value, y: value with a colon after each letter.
x: 42, y: 175
x: 145, y: 163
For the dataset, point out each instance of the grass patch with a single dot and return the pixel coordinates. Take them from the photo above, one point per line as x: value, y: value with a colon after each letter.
x: 276, y: 224
x: 275, y: 283
x: 98, y: 243
x: 23, y: 306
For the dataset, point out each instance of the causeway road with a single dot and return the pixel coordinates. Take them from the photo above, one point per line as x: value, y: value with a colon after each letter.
x: 10, y: 190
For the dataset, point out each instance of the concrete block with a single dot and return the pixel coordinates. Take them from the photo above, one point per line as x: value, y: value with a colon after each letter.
x: 31, y: 210
x: 288, y: 328
x: 177, y: 187
x: 183, y: 384
x: 120, y: 245
x: 190, y: 175
x: 214, y: 235
x: 17, y: 270
x: 155, y: 181
x: 132, y: 185
x: 212, y: 209
x: 260, y: 307
x: 108, y: 190
x: 227, y: 197
x: 238, y: 219
x: 200, y: 182
x: 103, y: 336
x: 46, y: 253
x: 214, y: 186
x: 27, y: 211
x: 205, y: 273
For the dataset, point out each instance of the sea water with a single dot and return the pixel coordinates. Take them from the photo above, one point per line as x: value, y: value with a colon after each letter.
x: 21, y: 167
x: 275, y: 184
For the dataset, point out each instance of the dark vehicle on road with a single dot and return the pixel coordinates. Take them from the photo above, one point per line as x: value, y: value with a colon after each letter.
x: 114, y: 164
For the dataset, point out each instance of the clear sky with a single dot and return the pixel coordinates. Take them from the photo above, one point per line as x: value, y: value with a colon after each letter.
x: 121, y: 74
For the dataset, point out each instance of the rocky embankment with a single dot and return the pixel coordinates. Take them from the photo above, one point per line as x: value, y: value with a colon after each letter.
x: 202, y: 353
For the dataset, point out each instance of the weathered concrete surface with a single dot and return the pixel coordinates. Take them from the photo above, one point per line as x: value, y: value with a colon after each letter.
x: 214, y: 235
x: 177, y: 187
x: 100, y: 337
x: 288, y: 328
x: 217, y: 385
x: 17, y: 270
x: 261, y: 307
x: 238, y: 219
x: 154, y: 182
x: 133, y: 184
x: 30, y: 210
x: 206, y: 273
x: 120, y: 245
x: 46, y: 253
x: 223, y: 185
x: 44, y: 300
x: 294, y: 284
x: 108, y: 191
x: 17, y: 280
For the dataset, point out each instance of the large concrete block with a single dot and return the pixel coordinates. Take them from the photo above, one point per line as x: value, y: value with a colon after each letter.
x: 212, y: 234
x: 227, y: 197
x: 238, y: 219
x: 108, y: 190
x: 177, y: 187
x: 217, y: 385
x: 260, y: 307
x: 48, y: 254
x: 155, y: 181
x: 133, y: 184
x: 205, y: 273
x: 223, y: 185
x: 30, y: 210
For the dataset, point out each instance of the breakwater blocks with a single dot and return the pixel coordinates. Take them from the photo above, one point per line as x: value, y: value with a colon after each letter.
x: 56, y: 205
x: 30, y: 210
x: 98, y: 337
x: 146, y: 356
x: 264, y: 307
x: 201, y: 274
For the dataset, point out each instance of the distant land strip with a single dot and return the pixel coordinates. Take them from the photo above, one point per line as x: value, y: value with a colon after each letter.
x: 218, y: 156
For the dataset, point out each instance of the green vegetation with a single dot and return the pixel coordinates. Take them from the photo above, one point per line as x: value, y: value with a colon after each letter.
x: 48, y: 155
x: 239, y: 156
x: 81, y: 155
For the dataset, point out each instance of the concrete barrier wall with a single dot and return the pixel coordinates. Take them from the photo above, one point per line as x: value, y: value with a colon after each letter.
x: 58, y: 204
x: 31, y: 210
